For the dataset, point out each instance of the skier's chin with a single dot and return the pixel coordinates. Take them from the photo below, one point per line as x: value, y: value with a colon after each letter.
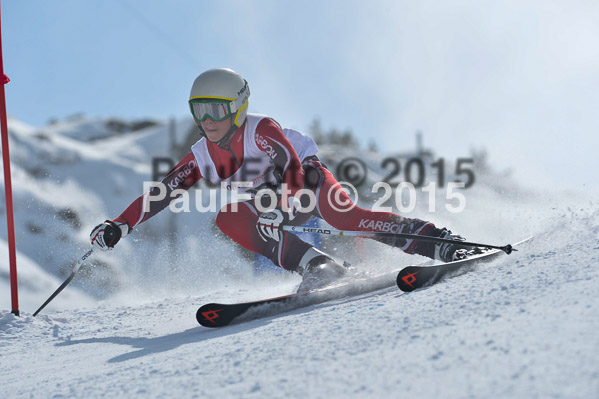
x: 213, y: 136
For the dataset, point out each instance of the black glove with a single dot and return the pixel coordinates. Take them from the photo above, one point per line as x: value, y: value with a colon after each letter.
x: 105, y: 235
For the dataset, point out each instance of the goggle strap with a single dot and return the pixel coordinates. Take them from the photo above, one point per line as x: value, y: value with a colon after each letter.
x: 243, y: 94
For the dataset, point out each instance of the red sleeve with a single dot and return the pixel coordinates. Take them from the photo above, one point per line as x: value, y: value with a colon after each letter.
x: 288, y: 166
x: 183, y: 176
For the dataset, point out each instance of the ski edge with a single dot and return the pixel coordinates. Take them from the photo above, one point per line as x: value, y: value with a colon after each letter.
x: 235, y: 313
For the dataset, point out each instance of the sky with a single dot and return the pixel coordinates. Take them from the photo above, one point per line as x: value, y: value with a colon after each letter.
x: 517, y: 78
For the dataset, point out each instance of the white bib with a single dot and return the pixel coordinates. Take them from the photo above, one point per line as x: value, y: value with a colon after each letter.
x: 258, y: 163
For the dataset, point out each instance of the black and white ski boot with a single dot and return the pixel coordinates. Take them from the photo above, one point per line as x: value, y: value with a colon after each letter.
x: 320, y: 272
x: 449, y: 252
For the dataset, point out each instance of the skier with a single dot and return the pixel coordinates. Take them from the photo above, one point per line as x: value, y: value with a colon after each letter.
x: 239, y: 147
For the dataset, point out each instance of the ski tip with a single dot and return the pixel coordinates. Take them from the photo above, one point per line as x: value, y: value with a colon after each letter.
x: 208, y: 314
x: 406, y: 279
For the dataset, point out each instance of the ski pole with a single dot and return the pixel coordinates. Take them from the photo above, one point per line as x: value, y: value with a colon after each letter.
x: 79, y: 263
x: 298, y: 229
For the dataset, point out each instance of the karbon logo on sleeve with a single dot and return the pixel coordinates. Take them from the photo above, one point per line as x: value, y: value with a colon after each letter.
x: 263, y: 144
x: 182, y: 174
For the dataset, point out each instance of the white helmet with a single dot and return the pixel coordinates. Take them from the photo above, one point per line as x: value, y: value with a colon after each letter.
x: 219, y: 84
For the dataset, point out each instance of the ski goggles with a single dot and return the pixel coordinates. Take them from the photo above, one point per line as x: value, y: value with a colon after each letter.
x: 217, y: 110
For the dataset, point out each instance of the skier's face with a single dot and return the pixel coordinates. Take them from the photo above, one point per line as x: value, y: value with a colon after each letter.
x: 216, y: 130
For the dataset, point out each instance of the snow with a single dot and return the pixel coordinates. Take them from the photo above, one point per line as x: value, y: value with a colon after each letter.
x: 32, y: 280
x: 523, y: 326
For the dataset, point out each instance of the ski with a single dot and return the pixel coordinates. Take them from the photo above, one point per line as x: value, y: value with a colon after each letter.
x: 408, y: 279
x: 411, y: 278
x: 220, y: 315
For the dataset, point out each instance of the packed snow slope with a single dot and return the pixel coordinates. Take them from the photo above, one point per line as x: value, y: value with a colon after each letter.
x: 523, y: 326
